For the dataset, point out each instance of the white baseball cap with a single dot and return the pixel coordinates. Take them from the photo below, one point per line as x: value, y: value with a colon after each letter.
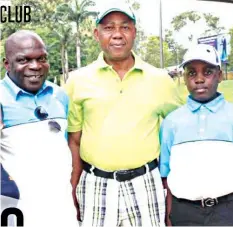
x: 117, y: 6
x: 202, y: 52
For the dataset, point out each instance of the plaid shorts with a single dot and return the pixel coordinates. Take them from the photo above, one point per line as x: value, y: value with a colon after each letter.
x: 107, y: 202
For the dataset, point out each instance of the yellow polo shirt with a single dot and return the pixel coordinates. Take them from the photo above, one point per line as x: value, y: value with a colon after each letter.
x: 119, y: 119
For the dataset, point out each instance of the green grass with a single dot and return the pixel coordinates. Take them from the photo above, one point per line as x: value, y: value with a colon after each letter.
x: 225, y: 87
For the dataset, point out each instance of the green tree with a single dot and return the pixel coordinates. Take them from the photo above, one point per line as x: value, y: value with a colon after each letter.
x: 41, y: 14
x: 177, y: 50
x: 150, y: 51
x: 213, y: 25
x: 53, y: 48
x: 76, y: 11
x: 90, y: 48
x: 64, y: 34
x: 181, y: 20
x: 184, y: 19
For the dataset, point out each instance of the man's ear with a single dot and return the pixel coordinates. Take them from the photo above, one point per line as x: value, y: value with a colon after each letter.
x: 220, y: 77
x: 6, y: 64
x: 185, y: 78
x: 96, y: 34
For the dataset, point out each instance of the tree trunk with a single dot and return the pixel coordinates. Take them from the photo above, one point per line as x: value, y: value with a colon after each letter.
x: 64, y: 62
x: 78, y: 47
x: 78, y: 52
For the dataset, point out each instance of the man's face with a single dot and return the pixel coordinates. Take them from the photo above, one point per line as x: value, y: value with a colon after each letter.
x: 27, y: 64
x: 116, y: 34
x: 202, y: 80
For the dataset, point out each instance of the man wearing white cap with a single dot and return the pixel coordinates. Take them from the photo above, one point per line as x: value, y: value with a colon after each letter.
x: 197, y: 147
x: 113, y: 128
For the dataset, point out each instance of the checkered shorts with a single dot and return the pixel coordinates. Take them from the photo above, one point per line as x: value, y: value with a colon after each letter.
x: 107, y: 202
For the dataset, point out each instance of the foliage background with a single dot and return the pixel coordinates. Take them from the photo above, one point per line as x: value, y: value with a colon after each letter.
x: 67, y: 25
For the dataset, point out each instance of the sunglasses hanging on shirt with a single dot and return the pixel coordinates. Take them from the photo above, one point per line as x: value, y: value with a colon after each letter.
x: 42, y: 114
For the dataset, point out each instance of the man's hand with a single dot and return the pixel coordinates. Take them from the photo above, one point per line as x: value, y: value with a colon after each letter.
x: 74, y: 183
x: 168, y: 202
x: 168, y: 221
x: 74, y: 145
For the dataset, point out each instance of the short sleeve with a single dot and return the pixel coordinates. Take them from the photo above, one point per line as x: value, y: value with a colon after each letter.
x: 166, y: 137
x: 65, y: 100
x: 75, y: 110
x: 171, y: 98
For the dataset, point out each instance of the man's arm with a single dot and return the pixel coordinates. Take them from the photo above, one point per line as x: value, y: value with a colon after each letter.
x: 74, y: 145
x: 166, y: 137
x: 74, y: 111
x: 168, y: 202
x: 75, y: 123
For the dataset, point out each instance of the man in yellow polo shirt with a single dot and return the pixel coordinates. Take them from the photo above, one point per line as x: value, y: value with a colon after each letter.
x: 115, y: 106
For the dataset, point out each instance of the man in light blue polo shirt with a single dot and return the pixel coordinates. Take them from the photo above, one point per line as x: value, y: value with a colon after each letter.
x: 33, y: 143
x: 197, y: 147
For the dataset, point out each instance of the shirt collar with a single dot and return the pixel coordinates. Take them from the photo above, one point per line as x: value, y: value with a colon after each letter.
x: 17, y: 91
x: 213, y: 105
x: 102, y: 64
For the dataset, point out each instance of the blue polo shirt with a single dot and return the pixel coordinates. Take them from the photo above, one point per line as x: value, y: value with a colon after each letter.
x: 36, y: 155
x: 196, y: 141
x: 18, y: 108
x: 14, y: 99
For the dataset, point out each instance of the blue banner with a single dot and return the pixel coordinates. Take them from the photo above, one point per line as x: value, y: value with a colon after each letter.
x: 220, y: 42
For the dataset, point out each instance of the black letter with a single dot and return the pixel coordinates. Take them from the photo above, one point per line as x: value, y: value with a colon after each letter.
x: 18, y: 14
x: 27, y: 16
x: 8, y: 211
x: 9, y: 15
x: 3, y: 19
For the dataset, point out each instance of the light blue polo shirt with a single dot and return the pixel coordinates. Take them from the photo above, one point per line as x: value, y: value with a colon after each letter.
x: 36, y: 156
x: 15, y: 100
x: 197, y: 146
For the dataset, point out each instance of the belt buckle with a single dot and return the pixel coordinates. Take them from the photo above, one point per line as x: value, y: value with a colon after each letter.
x: 123, y: 175
x: 209, y: 202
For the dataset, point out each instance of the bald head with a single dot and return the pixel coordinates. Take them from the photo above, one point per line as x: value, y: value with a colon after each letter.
x: 15, y: 39
x: 26, y: 60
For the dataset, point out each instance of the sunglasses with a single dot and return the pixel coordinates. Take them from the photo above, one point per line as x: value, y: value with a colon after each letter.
x: 42, y: 114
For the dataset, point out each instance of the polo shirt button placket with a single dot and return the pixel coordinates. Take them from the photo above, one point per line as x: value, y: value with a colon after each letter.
x: 201, y: 132
x: 202, y: 117
x: 121, y: 87
x: 202, y: 123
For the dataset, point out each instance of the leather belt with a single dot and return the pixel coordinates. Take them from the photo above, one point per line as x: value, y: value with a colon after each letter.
x: 121, y: 175
x: 209, y: 202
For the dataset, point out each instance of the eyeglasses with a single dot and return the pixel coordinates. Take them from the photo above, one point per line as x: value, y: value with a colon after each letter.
x: 42, y: 114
